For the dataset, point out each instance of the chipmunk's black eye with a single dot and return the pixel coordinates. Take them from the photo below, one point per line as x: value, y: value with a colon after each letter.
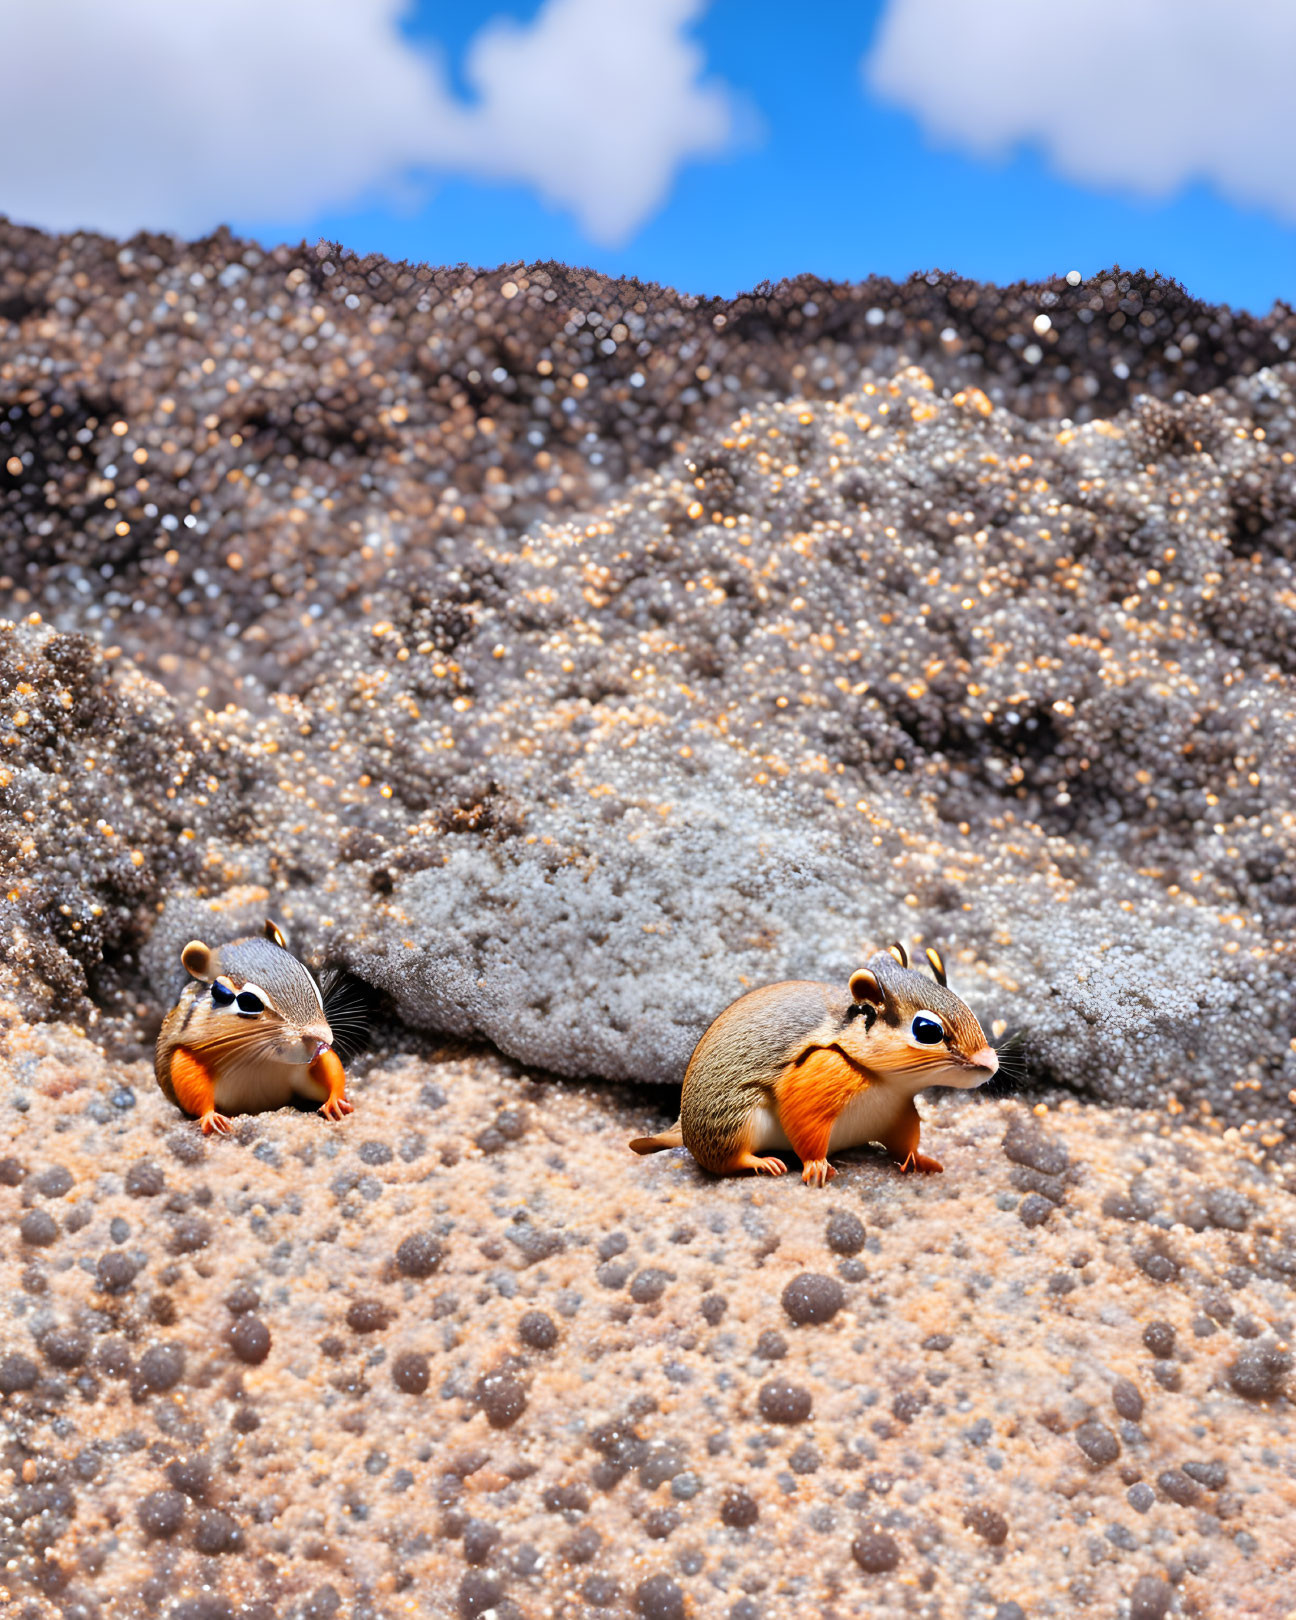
x: 927, y: 1029
x: 221, y: 994
x: 249, y: 1003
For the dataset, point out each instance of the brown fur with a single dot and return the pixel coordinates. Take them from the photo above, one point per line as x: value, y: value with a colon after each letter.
x: 211, y: 1061
x: 742, y: 1056
x: 789, y: 1065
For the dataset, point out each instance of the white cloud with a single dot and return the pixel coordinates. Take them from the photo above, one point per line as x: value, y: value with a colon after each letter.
x: 598, y: 105
x: 1149, y: 95
x: 180, y: 114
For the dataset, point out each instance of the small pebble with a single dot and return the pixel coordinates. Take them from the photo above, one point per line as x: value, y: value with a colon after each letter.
x: 38, y: 1229
x: 538, y: 1331
x: 584, y: 1546
x: 145, y: 1179
x: 659, y: 1598
x: 367, y: 1316
x: 845, y: 1233
x: 991, y: 1526
x: 480, y: 1591
x: 738, y: 1509
x: 1034, y: 1209
x: 158, y: 1369
x: 65, y: 1347
x: 649, y: 1285
x: 419, y: 1255
x: 115, y: 1272
x: 17, y: 1373
x: 1127, y: 1400
x: 190, y: 1475
x: 1176, y: 1485
x: 479, y: 1539
x: 216, y: 1532
x: 781, y: 1401
x: 410, y: 1373
x: 161, y: 1513
x: 1260, y: 1372
x: 813, y: 1298
x: 1097, y: 1442
x: 249, y: 1339
x: 502, y: 1397
x: 1150, y: 1598
x: 875, y: 1552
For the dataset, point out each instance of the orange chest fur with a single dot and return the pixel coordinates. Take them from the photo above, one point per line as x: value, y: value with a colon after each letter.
x: 813, y: 1092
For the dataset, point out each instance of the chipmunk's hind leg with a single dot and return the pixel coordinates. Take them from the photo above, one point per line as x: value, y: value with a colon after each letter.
x: 195, y: 1089
x: 762, y: 1163
x: 719, y: 1158
x: 672, y: 1138
x: 742, y: 1154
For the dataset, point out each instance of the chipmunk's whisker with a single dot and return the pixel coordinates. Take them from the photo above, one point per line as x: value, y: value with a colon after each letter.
x: 346, y: 1006
x: 234, y: 1040
x: 346, y: 1018
x: 1011, y: 1051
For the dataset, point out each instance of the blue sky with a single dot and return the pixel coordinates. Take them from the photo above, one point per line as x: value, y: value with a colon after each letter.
x: 832, y: 180
x: 708, y: 146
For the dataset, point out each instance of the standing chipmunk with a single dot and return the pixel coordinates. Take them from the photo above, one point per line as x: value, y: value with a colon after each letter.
x: 251, y: 1033
x: 800, y: 1066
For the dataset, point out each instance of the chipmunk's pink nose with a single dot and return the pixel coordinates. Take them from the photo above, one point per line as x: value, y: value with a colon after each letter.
x: 986, y: 1058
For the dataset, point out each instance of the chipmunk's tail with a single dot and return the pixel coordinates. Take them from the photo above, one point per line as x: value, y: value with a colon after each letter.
x: 672, y: 1138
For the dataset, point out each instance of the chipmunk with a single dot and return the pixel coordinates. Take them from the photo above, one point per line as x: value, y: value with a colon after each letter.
x: 251, y: 1033
x: 801, y: 1066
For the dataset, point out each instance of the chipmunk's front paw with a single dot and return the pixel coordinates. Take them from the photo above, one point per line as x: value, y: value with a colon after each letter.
x: 214, y: 1124
x: 337, y: 1108
x: 817, y: 1172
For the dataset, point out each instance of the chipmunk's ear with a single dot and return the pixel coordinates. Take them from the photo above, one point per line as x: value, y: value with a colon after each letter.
x: 199, y: 960
x: 898, y: 951
x: 274, y: 935
x: 866, y: 988
x: 936, y: 963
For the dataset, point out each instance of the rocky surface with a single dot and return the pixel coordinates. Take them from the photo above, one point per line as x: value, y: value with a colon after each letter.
x: 564, y: 656
x: 463, y: 1353
x: 903, y: 660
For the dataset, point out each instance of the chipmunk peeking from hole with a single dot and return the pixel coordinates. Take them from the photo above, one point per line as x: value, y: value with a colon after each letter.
x: 253, y: 1031
x: 805, y: 1068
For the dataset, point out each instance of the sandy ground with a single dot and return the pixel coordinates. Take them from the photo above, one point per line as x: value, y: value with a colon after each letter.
x: 463, y: 1354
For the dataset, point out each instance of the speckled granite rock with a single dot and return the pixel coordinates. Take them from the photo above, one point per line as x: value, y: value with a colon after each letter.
x: 910, y: 668
x: 527, y: 642
x: 464, y: 1353
x: 697, y: 747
